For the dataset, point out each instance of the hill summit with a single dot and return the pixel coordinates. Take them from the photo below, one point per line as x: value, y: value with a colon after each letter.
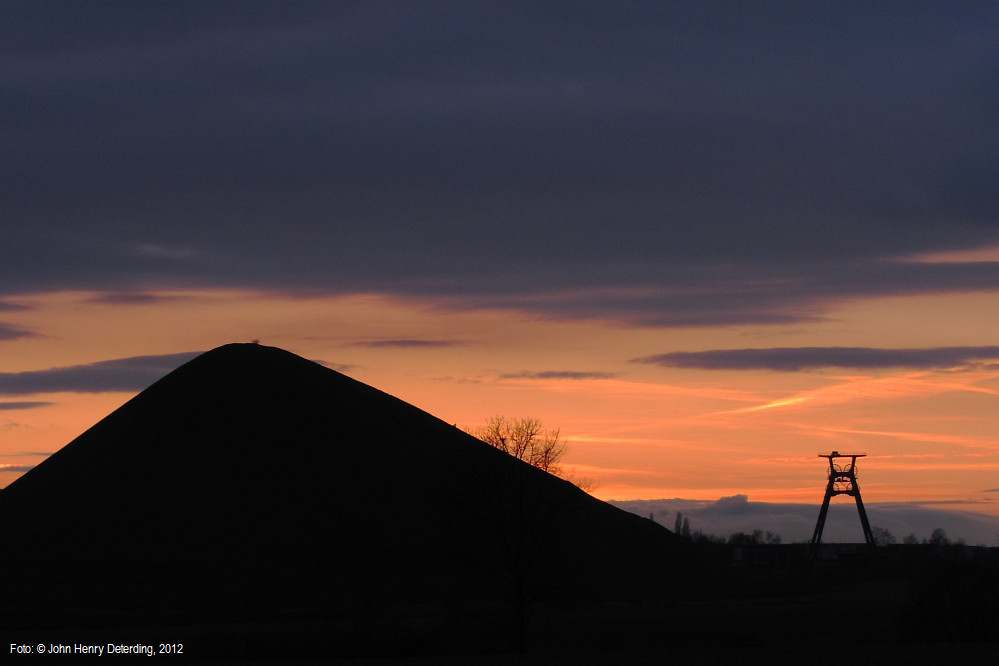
x: 251, y: 478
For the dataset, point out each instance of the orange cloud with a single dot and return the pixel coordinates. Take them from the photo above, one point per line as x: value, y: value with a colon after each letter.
x: 895, y: 387
x: 954, y: 440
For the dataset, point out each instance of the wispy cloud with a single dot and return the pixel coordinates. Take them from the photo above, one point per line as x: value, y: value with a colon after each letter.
x: 635, y: 390
x: 161, y: 251
x: 604, y: 471
x: 8, y: 332
x: 789, y: 359
x: 911, y: 436
x: 15, y: 468
x: 6, y: 306
x: 23, y: 405
x: 126, y: 374
x: 850, y: 389
x: 935, y: 465
x: 339, y: 367
x: 409, y: 343
x: 129, y: 298
x: 560, y: 374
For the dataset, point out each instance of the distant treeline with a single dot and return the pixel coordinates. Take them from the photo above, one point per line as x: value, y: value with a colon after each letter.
x: 882, y: 536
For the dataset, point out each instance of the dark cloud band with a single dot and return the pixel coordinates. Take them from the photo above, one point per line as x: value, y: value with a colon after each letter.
x: 649, y: 163
x: 127, y: 374
x: 808, y: 358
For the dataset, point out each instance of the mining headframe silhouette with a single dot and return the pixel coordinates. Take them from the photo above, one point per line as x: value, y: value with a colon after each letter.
x: 842, y: 481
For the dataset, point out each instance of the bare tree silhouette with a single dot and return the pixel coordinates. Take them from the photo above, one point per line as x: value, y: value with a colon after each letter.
x: 528, y: 440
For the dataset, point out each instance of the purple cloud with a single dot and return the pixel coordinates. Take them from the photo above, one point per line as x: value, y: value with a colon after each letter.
x: 790, y: 359
x: 126, y: 374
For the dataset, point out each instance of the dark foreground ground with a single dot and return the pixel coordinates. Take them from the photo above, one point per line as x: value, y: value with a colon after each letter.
x: 913, y: 654
x: 761, y: 605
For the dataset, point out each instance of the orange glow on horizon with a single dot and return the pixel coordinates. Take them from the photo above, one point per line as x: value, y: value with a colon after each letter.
x: 641, y: 431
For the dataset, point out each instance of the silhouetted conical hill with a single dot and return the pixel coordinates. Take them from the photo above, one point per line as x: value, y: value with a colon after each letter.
x: 252, y: 478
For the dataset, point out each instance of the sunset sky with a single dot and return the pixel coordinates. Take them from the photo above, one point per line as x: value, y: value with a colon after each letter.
x: 708, y: 241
